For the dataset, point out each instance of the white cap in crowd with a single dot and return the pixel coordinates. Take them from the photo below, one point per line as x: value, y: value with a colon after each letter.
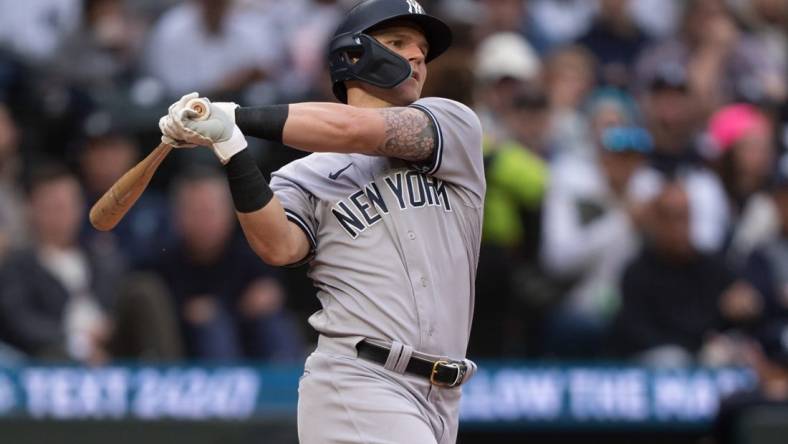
x: 506, y: 54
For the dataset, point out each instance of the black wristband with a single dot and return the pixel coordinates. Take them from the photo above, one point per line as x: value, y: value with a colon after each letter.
x: 248, y: 187
x: 264, y: 122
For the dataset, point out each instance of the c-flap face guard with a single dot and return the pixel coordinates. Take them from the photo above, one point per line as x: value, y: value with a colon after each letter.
x: 377, y: 65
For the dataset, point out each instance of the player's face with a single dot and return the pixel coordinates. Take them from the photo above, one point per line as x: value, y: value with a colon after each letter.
x: 409, y: 42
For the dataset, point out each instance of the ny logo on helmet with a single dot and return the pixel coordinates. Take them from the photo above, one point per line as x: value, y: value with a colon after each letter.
x: 414, y: 7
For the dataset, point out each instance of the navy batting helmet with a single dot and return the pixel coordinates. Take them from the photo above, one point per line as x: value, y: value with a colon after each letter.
x: 354, y: 55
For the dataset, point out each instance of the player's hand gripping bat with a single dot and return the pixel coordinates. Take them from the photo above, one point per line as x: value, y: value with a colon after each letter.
x: 113, y: 205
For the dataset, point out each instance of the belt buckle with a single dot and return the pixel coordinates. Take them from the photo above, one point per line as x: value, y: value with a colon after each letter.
x: 434, y: 373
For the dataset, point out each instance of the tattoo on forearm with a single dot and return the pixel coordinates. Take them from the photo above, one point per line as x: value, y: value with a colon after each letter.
x: 410, y: 135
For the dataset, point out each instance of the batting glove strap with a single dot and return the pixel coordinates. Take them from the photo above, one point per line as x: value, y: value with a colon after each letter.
x: 226, y: 149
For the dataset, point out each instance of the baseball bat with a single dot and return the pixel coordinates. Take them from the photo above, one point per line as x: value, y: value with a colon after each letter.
x: 115, y: 203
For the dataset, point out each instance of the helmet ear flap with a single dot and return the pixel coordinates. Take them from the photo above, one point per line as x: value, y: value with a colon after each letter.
x: 375, y: 64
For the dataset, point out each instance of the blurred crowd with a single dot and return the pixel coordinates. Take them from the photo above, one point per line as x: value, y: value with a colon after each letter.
x: 635, y: 154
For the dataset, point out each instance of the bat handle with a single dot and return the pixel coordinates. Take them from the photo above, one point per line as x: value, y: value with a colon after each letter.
x: 113, y: 205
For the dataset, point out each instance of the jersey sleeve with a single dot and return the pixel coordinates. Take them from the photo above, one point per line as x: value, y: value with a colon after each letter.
x: 458, y: 157
x: 299, y: 205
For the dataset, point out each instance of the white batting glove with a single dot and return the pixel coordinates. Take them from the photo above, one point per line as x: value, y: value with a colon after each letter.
x: 226, y: 138
x: 174, y: 134
x: 217, y: 130
x: 171, y: 125
x: 169, y: 137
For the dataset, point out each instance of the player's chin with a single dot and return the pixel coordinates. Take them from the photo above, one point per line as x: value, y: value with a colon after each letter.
x: 407, y: 92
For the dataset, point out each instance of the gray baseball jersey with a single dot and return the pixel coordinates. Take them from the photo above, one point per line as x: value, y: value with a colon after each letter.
x: 394, y: 245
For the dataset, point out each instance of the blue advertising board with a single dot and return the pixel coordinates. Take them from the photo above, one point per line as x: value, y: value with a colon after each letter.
x: 598, y: 396
x: 500, y: 395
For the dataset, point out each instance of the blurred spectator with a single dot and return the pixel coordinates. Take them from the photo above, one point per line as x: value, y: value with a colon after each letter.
x: 615, y: 40
x: 762, y: 411
x: 673, y: 118
x: 767, y: 267
x: 452, y: 74
x: 34, y: 30
x: 306, y: 46
x: 13, y: 229
x: 516, y: 180
x: 591, y: 232
x: 610, y: 107
x: 101, y: 54
x: 230, y: 305
x: 139, y: 236
x: 216, y: 47
x: 501, y: 16
x: 569, y: 78
x: 722, y: 62
x: 60, y: 300
x: 488, y: 17
x: 559, y: 22
x: 744, y: 154
x: 767, y: 21
x: 286, y: 16
x: 672, y: 115
x: 10, y: 76
x: 505, y: 65
x: 526, y: 119
x: 781, y: 130
x: 659, y: 18
x: 674, y: 296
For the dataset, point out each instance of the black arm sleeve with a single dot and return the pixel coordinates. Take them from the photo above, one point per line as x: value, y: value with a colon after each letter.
x: 264, y: 122
x: 248, y: 187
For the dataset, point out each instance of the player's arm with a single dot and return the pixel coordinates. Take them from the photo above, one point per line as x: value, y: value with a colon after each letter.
x: 406, y: 133
x: 269, y: 231
x: 272, y: 236
x: 439, y: 137
x: 400, y: 132
x: 275, y: 239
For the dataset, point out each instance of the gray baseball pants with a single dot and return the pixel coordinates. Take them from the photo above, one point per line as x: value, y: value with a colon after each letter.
x: 347, y: 400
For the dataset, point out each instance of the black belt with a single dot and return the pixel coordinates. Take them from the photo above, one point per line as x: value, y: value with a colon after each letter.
x: 440, y: 373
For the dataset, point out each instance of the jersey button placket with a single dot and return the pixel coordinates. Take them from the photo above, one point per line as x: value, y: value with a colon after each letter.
x: 415, y: 262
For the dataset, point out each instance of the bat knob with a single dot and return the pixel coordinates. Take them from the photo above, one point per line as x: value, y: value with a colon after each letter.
x: 201, y: 107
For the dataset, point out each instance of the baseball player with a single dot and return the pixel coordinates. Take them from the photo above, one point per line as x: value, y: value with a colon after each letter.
x: 387, y: 212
